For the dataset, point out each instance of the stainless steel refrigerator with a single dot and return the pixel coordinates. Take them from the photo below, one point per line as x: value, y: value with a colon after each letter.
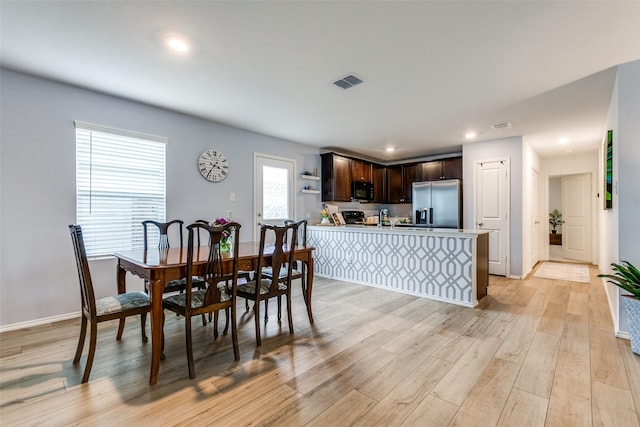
x: 437, y: 204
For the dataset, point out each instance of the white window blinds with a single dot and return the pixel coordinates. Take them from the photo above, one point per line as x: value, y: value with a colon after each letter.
x: 120, y: 182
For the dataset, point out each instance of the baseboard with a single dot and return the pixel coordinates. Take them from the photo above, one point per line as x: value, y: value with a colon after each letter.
x: 38, y: 322
x: 624, y: 335
x: 513, y: 276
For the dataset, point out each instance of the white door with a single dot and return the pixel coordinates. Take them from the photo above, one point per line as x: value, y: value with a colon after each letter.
x: 491, y: 200
x: 535, y: 218
x: 576, y: 217
x: 273, y: 190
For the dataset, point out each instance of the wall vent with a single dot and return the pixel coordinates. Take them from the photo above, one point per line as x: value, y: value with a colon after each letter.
x: 348, y: 81
x: 504, y: 125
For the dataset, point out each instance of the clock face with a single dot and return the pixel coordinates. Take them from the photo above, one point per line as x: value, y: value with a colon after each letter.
x: 213, y: 165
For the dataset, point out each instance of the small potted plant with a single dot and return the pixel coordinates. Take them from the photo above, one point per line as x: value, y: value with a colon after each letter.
x: 627, y: 277
x: 554, y: 220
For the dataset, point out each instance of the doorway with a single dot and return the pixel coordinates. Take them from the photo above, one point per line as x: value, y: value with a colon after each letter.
x: 273, y: 190
x: 572, y: 240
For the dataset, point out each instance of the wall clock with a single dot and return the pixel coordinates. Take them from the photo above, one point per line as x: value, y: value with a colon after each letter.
x: 213, y: 165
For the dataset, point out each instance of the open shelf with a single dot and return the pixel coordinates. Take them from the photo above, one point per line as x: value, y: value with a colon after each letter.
x: 313, y: 177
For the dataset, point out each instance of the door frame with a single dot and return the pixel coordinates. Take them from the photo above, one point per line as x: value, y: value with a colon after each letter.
x: 256, y: 155
x: 595, y: 200
x: 507, y: 162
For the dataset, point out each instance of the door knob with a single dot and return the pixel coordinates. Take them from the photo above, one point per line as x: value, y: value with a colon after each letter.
x: 480, y: 224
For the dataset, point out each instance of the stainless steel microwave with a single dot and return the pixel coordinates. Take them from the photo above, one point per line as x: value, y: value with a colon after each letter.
x: 362, y: 191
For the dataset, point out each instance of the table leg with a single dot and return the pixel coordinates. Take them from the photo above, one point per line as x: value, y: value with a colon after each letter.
x: 156, y: 328
x: 121, y: 275
x: 309, y: 288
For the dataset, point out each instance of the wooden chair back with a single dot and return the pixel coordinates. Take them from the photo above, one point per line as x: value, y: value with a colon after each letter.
x: 163, y: 227
x: 279, y: 258
x: 84, y: 276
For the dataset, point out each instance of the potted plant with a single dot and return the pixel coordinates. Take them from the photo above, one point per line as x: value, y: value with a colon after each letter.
x: 554, y: 220
x: 627, y: 277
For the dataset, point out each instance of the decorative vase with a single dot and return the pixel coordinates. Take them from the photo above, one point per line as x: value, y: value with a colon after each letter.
x: 632, y: 310
x: 225, y: 245
x: 325, y: 220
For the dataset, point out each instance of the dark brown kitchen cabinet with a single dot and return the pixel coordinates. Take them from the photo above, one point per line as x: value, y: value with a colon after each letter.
x: 410, y: 174
x: 378, y: 176
x: 360, y: 170
x: 336, y: 178
x: 395, y: 191
x: 435, y: 170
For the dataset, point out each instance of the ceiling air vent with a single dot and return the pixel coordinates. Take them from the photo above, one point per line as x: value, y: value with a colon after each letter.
x: 348, y: 81
x: 504, y: 125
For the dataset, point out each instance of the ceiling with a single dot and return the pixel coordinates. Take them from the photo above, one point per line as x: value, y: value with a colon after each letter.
x: 432, y: 70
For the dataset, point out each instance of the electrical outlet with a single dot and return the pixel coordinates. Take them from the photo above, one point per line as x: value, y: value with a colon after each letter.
x: 307, y: 215
x: 232, y: 197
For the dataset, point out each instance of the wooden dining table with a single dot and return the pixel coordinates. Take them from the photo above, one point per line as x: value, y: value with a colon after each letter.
x: 160, y: 266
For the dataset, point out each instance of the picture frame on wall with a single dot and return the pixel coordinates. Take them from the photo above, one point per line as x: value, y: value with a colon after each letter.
x: 608, y: 171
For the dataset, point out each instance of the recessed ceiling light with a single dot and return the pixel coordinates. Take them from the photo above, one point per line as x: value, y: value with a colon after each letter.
x: 563, y: 141
x: 178, y: 45
x: 470, y: 135
x: 389, y: 149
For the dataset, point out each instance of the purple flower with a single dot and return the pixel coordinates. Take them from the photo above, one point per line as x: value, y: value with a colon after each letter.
x: 218, y: 222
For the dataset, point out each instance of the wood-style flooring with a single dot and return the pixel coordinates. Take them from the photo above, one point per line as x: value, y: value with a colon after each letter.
x: 537, y: 352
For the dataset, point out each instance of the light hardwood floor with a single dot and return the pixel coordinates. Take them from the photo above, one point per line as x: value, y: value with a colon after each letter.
x: 537, y: 352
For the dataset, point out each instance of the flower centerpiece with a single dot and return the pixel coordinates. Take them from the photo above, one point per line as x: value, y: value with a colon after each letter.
x: 225, y: 243
x: 324, y: 213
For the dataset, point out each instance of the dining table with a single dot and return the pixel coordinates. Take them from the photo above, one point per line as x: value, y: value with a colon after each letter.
x: 159, y: 266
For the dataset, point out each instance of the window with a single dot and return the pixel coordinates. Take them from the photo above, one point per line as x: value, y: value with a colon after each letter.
x: 120, y: 182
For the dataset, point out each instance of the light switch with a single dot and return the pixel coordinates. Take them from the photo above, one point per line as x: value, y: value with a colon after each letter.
x: 232, y: 197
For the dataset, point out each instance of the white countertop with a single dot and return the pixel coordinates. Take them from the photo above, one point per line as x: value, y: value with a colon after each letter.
x: 445, y: 232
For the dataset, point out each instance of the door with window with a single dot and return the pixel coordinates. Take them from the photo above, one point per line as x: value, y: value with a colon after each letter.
x: 273, y: 190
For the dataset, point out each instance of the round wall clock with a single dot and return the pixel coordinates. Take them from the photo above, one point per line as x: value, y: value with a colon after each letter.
x: 213, y: 165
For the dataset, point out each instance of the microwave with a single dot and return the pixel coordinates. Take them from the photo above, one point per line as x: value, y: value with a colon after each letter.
x: 362, y: 191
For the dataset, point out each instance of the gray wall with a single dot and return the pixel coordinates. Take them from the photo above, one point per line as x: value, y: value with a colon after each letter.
x: 490, y: 150
x: 37, y: 181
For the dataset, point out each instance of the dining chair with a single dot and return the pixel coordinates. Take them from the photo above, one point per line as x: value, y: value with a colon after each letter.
x: 212, y: 297
x: 299, y: 267
x: 262, y: 288
x: 95, y: 311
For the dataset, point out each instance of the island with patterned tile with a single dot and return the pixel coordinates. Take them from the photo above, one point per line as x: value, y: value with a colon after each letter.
x: 442, y: 264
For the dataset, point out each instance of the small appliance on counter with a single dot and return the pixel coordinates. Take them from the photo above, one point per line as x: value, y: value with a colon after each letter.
x: 353, y: 217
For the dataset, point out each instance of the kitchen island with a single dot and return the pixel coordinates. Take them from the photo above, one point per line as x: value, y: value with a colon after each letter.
x: 443, y: 264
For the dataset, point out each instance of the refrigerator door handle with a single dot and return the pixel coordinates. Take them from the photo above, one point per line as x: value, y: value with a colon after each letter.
x: 430, y: 216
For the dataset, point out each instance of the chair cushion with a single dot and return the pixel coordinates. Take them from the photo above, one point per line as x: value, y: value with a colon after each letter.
x: 197, y: 298
x: 250, y: 287
x: 121, y: 302
x: 268, y: 271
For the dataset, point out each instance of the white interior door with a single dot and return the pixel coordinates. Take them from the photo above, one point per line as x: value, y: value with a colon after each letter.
x: 576, y: 217
x: 491, y: 200
x: 535, y: 218
x: 273, y: 190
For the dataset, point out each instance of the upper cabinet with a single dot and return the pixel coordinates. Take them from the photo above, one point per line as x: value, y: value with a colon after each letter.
x: 379, y: 173
x: 336, y: 178
x: 360, y: 170
x: 391, y: 184
x: 450, y: 168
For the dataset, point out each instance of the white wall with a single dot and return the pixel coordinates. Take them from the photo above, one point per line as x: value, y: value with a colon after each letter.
x: 620, y: 225
x: 490, y: 150
x: 37, y: 182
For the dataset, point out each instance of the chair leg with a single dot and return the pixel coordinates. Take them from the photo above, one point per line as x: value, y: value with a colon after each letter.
x: 256, y: 309
x: 246, y: 304
x: 234, y: 331
x: 204, y: 319
x: 83, y: 334
x: 120, y: 328
x: 289, y: 315
x: 92, y: 351
x: 215, y: 325
x: 143, y: 326
x: 279, y: 308
x: 226, y: 322
x: 187, y: 333
x: 162, y: 339
x: 266, y: 309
